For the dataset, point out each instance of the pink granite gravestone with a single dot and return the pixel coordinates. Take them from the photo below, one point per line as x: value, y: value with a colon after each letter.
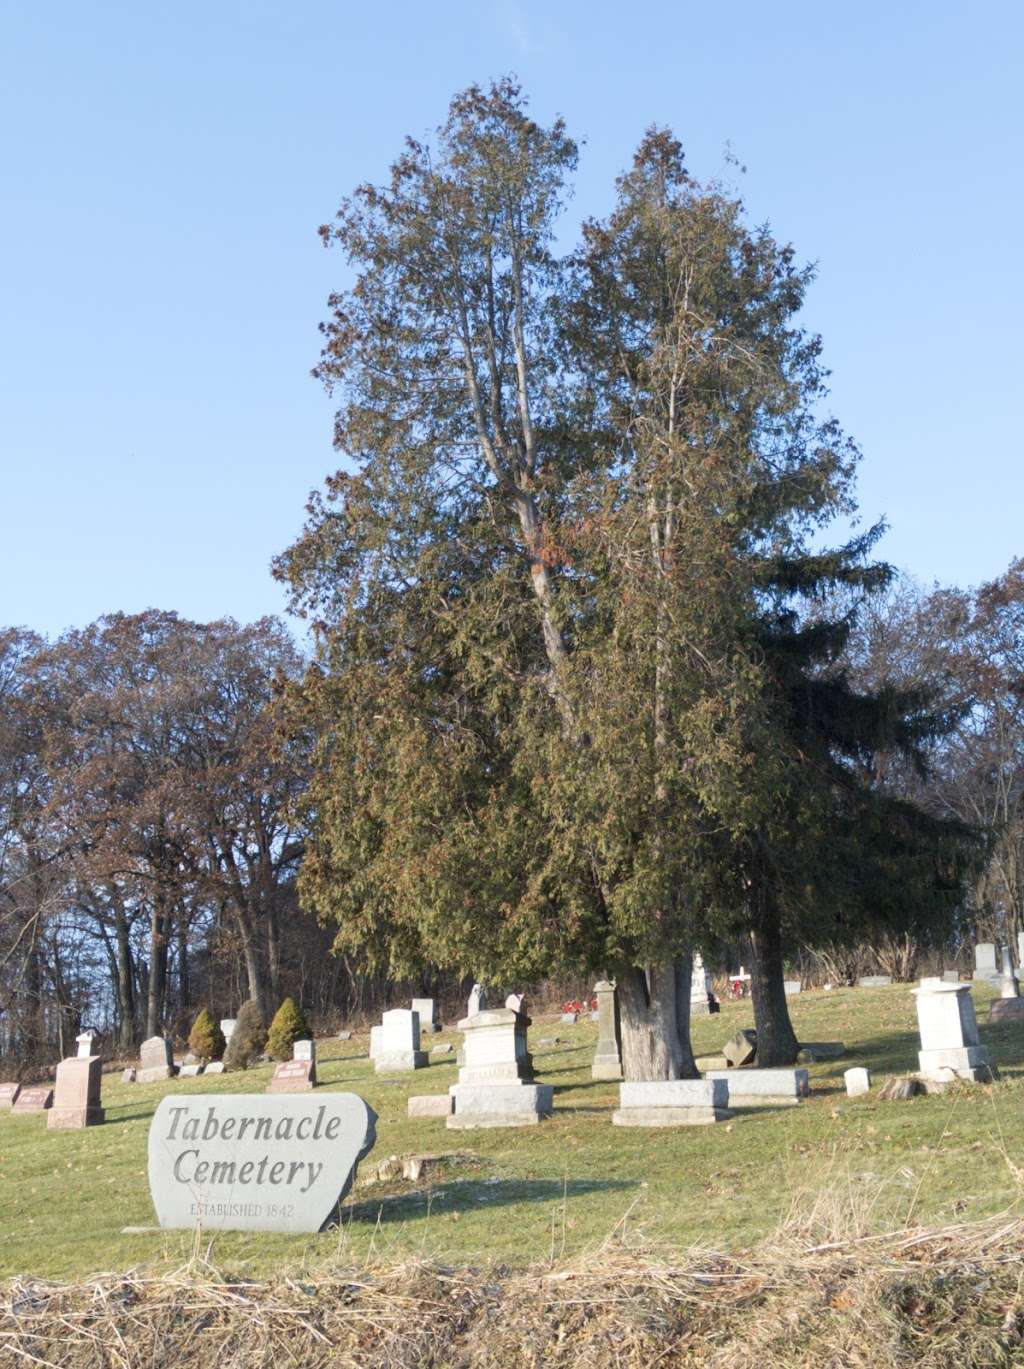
x: 35, y: 1099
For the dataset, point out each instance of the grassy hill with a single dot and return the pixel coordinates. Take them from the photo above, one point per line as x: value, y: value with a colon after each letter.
x: 560, y: 1189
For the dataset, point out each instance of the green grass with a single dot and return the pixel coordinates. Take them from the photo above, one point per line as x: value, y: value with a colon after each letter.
x: 560, y: 1188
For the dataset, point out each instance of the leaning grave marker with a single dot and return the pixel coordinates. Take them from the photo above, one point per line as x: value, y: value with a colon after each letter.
x: 8, y: 1096
x: 255, y: 1162
x: 35, y: 1099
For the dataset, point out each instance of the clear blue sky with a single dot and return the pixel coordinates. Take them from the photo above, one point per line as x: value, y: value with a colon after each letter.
x: 165, y: 167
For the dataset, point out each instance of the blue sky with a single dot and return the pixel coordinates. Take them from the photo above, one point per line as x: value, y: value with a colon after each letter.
x: 165, y: 168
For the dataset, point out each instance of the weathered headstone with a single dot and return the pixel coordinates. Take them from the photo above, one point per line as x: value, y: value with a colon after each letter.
x: 608, y: 1056
x: 227, y: 1026
x: 950, y: 976
x: 858, y: 1081
x: 215, y: 1067
x: 985, y: 967
x: 128, y: 1075
x: 156, y: 1060
x: 400, y: 1042
x: 431, y: 1105
x: 899, y: 1089
x: 791, y: 987
x: 950, y: 1045
x: 702, y: 999
x: 811, y: 1052
x: 672, y: 1103
x: 874, y: 981
x: 190, y: 1070
x: 1008, y: 985
x: 430, y: 1019
x: 477, y: 1000
x: 570, y: 1018
x: 345, y: 1035
x: 8, y: 1096
x: 249, y: 1162
x: 76, y: 1094
x: 36, y: 1098
x: 297, y: 1075
x: 515, y: 1002
x: 741, y: 1048
x: 84, y: 1043
x: 768, y: 1088
x: 496, y: 1085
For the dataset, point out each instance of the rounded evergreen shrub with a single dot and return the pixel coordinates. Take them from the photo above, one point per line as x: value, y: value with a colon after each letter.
x: 248, y: 1038
x: 288, y: 1026
x: 206, y: 1040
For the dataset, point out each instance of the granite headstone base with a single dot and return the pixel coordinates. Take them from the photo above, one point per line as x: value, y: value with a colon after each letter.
x: 672, y: 1103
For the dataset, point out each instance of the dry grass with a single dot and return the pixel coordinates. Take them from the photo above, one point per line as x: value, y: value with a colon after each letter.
x: 815, y: 1295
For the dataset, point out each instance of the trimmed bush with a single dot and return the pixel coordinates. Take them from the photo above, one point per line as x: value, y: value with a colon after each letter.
x: 206, y: 1040
x: 288, y: 1026
x: 248, y: 1039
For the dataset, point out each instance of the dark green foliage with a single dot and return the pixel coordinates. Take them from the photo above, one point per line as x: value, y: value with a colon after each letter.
x: 249, y: 1038
x: 206, y: 1040
x: 288, y: 1026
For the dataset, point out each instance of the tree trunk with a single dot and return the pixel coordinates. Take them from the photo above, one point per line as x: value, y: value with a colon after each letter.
x: 251, y: 952
x: 184, y: 982
x: 157, y: 967
x: 654, y: 1016
x: 776, y: 1040
x: 125, y: 980
x: 273, y: 949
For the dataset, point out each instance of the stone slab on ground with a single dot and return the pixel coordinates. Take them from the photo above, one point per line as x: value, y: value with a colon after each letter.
x: 672, y: 1103
x: 711, y: 1062
x: 811, y: 1052
x: 36, y: 1098
x: 251, y: 1162
x: 791, y: 987
x: 499, y: 1105
x: 1006, y: 1010
x: 751, y: 1088
x: 293, y: 1076
x: 8, y: 1096
x: 431, y: 1105
x: 874, y: 981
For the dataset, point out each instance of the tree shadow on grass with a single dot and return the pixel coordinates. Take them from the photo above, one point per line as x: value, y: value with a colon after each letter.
x: 469, y: 1195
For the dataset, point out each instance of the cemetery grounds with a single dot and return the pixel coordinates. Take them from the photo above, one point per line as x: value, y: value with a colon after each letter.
x: 892, y: 1219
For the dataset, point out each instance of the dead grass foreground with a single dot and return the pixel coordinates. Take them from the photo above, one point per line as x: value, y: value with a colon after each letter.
x: 925, y: 1298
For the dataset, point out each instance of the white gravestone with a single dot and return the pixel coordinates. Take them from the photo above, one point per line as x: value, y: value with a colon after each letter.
x: 672, y: 1103
x: 429, y: 1019
x: 608, y: 1056
x: 496, y: 1086
x: 950, y: 1045
x: 1008, y: 985
x: 477, y: 1000
x: 304, y: 1050
x: 399, y: 1042
x: 227, y: 1026
x: 791, y: 986
x: 701, y: 996
x: 858, y: 1081
x: 255, y: 1162
x: 768, y: 1088
x: 85, y: 1045
x: 985, y: 967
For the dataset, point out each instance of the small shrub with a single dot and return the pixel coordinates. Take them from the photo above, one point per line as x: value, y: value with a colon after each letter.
x: 248, y: 1038
x: 206, y: 1040
x: 288, y: 1026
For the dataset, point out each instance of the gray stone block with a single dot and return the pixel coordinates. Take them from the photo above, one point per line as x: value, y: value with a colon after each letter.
x: 858, y: 1081
x: 397, y: 1062
x: 499, y: 1105
x: 431, y: 1105
x: 673, y: 1093
x: 741, y: 1048
x: 764, y: 1088
x: 874, y: 981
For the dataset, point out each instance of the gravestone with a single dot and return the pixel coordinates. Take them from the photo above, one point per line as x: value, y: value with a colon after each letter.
x: 608, y: 1056
x: 985, y: 967
x: 399, y: 1042
x: 768, y: 1088
x: 345, y: 1035
x: 496, y: 1083
x: 128, y: 1075
x: 8, y: 1096
x: 76, y: 1094
x: 672, y: 1103
x: 811, y: 1052
x: 227, y: 1026
x: 156, y: 1060
x: 215, y: 1067
x: 741, y: 1048
x: 37, y: 1098
x: 1008, y: 985
x: 431, y: 1105
x: 950, y: 1045
x: 376, y: 1037
x: 858, y: 1081
x: 191, y: 1070
x: 430, y: 1018
x: 791, y: 987
x: 874, y: 981
x: 297, y: 1075
x: 249, y: 1162
x: 950, y: 976
x: 515, y: 1001
x: 702, y: 1000
x: 84, y: 1043
x: 570, y: 1018
x: 477, y: 1000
